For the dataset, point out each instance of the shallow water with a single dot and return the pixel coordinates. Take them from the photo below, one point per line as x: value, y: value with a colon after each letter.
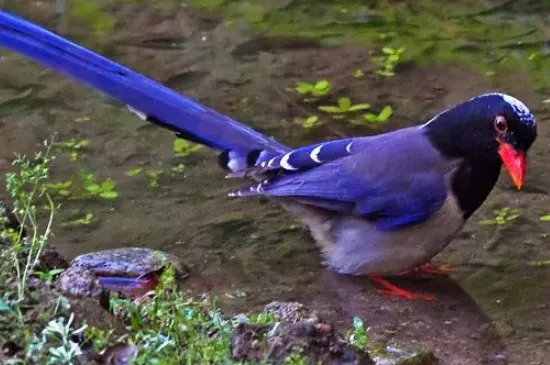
x: 493, y: 309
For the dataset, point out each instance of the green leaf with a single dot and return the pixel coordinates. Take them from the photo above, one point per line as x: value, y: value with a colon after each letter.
x: 310, y: 121
x: 356, y: 121
x: 372, y: 118
x: 344, y: 104
x: 54, y: 272
x: 93, y: 188
x: 487, y: 222
x: 385, y: 113
x: 304, y: 88
x: 4, y: 306
x: 358, y: 73
x: 322, y: 85
x: 357, y: 107
x: 330, y: 109
x: 108, y: 185
x: 108, y: 194
x: 136, y: 170
x: 545, y: 218
x: 393, y: 58
x: 180, y: 145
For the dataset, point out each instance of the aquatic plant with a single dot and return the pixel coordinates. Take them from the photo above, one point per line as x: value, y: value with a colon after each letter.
x: 88, y: 12
x: 61, y: 188
x: 184, y: 148
x: 178, y: 169
x: 154, y: 176
x: 388, y: 60
x: 308, y: 122
x: 316, y: 89
x: 379, y: 118
x: 501, y: 216
x: 343, y: 106
x: 85, y: 220
x: 105, y: 189
x: 358, y: 73
x: 134, y: 171
x: 73, y: 147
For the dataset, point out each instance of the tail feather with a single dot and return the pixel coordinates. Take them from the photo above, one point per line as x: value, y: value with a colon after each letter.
x: 148, y: 99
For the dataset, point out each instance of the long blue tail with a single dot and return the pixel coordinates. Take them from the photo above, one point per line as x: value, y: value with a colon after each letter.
x: 148, y: 99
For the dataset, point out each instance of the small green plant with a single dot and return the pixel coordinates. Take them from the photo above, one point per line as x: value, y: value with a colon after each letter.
x: 154, y: 177
x: 184, y: 148
x: 545, y: 218
x: 357, y: 335
x: 389, y: 59
x: 319, y: 88
x: 179, y: 168
x: 173, y: 328
x: 57, y: 335
x: 48, y: 276
x: 73, y: 147
x: 134, y: 171
x: 295, y: 357
x: 86, y: 220
x: 262, y: 318
x: 502, y: 216
x: 358, y: 73
x: 309, y: 122
x: 105, y: 189
x: 343, y: 106
x: 379, y: 118
x: 61, y: 188
x: 27, y: 186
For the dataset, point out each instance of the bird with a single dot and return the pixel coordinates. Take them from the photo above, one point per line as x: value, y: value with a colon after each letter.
x: 377, y: 206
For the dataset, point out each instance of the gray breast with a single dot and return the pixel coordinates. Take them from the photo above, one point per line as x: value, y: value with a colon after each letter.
x: 361, y: 249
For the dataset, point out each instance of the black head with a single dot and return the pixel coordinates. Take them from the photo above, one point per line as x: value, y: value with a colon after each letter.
x: 491, y: 129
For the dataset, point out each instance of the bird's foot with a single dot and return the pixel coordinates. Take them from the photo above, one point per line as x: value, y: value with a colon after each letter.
x: 390, y: 289
x: 431, y: 269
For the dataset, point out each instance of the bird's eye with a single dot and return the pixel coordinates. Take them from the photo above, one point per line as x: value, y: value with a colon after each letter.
x: 501, y: 125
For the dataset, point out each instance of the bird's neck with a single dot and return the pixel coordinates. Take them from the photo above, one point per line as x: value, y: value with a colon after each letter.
x: 472, y: 182
x: 480, y: 168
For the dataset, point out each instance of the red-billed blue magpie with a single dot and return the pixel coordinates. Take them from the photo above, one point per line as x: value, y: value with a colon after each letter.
x: 377, y: 205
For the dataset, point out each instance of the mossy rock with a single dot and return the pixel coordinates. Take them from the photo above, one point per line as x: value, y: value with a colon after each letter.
x: 129, y: 262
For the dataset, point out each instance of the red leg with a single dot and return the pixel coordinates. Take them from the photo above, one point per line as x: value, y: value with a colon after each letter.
x: 390, y: 289
x: 434, y: 269
x: 429, y: 269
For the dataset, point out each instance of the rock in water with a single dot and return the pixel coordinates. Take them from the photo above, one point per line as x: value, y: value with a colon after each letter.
x: 129, y: 262
x: 79, y: 282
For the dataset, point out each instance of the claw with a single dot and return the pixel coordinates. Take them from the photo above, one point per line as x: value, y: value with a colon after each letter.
x: 390, y: 289
x: 429, y: 269
x: 434, y: 269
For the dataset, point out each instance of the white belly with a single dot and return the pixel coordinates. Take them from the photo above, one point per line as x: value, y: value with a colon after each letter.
x: 354, y: 246
x: 362, y: 249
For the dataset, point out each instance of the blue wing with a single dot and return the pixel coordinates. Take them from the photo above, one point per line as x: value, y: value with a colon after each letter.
x: 393, y: 180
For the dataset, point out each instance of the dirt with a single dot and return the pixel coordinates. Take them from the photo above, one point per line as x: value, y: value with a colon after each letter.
x: 319, y: 344
x: 492, y: 310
